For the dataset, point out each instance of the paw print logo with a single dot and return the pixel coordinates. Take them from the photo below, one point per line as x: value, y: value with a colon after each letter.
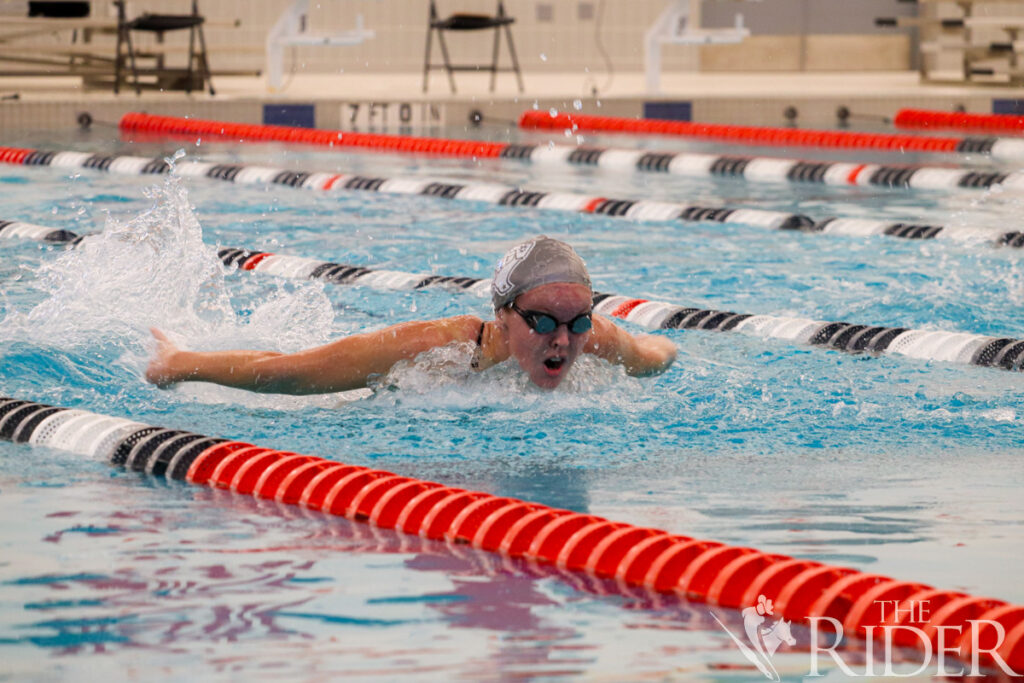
x: 764, y: 605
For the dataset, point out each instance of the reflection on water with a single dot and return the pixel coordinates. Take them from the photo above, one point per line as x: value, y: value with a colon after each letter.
x: 206, y: 569
x: 178, y: 570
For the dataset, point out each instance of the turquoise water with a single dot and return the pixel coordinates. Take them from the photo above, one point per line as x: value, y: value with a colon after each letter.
x: 888, y: 464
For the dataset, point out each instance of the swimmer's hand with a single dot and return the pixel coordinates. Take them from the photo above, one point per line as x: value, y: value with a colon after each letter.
x: 642, y: 355
x: 162, y: 369
x: 658, y: 351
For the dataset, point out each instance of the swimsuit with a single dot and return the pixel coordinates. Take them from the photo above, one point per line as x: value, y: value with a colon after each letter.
x: 475, y: 363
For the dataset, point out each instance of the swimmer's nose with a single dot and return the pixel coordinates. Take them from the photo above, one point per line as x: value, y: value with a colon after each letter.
x: 560, y: 337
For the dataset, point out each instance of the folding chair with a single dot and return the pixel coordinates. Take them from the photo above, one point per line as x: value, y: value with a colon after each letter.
x: 470, y: 22
x: 160, y: 24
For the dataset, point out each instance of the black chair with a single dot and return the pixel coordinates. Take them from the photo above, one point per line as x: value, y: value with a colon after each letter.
x: 160, y: 24
x: 470, y: 22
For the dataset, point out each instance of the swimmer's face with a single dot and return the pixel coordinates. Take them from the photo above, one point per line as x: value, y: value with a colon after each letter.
x: 546, y: 358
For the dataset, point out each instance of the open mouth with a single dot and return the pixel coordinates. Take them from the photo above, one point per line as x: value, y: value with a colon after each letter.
x: 554, y: 363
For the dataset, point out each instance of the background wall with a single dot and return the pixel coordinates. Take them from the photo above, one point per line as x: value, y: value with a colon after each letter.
x: 561, y: 35
x: 570, y: 35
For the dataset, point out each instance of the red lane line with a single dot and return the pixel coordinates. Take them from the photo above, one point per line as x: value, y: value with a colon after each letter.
x: 926, y: 118
x: 178, y: 126
x: 746, y: 134
x: 666, y: 569
x: 206, y: 463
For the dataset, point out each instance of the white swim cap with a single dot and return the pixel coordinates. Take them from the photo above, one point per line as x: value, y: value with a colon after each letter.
x: 537, y: 262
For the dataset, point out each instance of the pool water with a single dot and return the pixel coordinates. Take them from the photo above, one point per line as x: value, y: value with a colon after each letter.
x: 903, y: 467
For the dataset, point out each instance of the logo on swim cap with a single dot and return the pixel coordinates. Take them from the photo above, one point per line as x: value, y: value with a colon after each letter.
x: 537, y: 262
x: 503, y: 284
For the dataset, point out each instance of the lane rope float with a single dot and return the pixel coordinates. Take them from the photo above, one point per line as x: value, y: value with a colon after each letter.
x: 653, y: 559
x: 507, y: 195
x: 956, y: 347
x: 493, y: 193
x: 751, y: 169
x: 958, y: 120
x: 1004, y: 149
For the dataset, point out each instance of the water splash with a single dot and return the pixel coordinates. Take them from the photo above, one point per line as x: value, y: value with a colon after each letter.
x: 444, y: 377
x: 154, y: 270
x: 151, y: 270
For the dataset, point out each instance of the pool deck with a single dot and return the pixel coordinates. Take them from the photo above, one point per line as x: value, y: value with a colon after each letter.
x: 378, y: 101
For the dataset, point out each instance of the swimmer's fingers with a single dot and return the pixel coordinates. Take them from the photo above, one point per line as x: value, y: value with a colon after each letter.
x: 164, y: 344
x: 160, y: 370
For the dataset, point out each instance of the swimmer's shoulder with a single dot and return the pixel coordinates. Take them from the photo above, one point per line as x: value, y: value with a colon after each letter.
x: 458, y: 328
x: 463, y: 328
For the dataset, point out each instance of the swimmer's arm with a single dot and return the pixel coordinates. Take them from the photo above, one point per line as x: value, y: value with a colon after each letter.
x: 341, y: 365
x: 641, y: 355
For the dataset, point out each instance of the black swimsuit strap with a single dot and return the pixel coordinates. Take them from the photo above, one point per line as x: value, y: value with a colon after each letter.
x: 475, y: 363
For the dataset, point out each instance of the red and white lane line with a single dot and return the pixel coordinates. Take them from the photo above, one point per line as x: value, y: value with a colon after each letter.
x: 507, y: 195
x: 493, y: 193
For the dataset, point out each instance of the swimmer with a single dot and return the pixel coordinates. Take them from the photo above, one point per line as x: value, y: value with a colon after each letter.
x: 542, y: 318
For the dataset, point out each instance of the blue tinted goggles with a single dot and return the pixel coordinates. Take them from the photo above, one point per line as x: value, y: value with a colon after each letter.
x: 543, y: 323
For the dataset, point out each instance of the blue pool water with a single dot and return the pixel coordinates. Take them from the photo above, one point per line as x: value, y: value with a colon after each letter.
x: 892, y: 465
